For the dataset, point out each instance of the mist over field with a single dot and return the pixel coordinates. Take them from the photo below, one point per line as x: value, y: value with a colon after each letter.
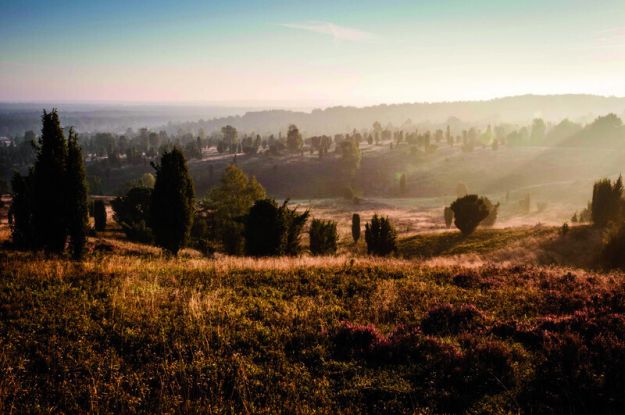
x: 265, y: 207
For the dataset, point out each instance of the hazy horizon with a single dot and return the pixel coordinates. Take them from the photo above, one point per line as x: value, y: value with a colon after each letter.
x: 308, y: 55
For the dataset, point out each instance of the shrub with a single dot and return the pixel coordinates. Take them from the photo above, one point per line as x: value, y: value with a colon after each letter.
x: 380, y: 236
x: 606, y: 205
x: 228, y: 203
x: 132, y: 213
x: 469, y: 211
x: 323, y: 237
x: 448, y: 214
x: 99, y: 215
x: 294, y: 226
x: 76, y: 194
x: 355, y: 227
x: 355, y: 340
x: 450, y: 319
x: 171, y: 208
x: 271, y: 230
x: 21, y: 212
x: 492, y: 213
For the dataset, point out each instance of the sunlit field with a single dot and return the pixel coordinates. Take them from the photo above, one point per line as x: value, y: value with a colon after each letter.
x: 131, y: 330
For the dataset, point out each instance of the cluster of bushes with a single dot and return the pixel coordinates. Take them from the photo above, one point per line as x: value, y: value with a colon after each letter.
x: 238, y: 218
x: 50, y: 204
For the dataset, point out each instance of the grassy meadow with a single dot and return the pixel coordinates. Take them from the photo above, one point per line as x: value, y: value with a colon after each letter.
x: 129, y: 330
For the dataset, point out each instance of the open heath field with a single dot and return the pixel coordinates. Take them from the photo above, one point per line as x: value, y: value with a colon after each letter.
x: 130, y: 330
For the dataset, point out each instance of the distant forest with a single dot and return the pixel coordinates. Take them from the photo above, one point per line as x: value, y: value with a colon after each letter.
x: 16, y: 119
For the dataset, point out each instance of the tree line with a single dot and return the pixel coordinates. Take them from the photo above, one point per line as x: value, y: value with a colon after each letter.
x: 50, y: 209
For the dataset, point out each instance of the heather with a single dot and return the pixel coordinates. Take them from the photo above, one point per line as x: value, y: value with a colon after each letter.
x: 130, y: 330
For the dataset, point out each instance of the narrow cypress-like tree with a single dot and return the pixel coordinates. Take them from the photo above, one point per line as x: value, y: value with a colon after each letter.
x: 356, y: 227
x: 21, y: 211
x: 172, y: 202
x: 76, y: 197
x: 99, y: 215
x: 49, y: 186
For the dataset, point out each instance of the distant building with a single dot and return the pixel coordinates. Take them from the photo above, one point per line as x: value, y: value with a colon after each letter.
x: 5, y: 142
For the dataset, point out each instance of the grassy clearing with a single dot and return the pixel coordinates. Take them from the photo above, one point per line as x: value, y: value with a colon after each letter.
x: 481, y: 242
x: 129, y: 330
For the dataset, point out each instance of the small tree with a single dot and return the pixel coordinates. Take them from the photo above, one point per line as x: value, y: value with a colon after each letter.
x: 78, y: 208
x: 380, y: 236
x: 294, y: 226
x: 99, y: 215
x: 49, y: 213
x: 229, y: 202
x: 272, y: 230
x: 21, y: 211
x: 172, y: 202
x: 449, y: 216
x: 265, y: 230
x: 323, y: 237
x: 132, y: 213
x: 606, y: 205
x: 294, y: 141
x: 469, y: 211
x: 356, y: 227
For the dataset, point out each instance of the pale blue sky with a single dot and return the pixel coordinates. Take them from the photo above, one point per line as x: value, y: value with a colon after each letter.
x: 299, y: 53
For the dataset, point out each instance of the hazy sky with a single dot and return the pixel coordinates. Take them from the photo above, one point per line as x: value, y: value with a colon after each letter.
x: 308, y: 52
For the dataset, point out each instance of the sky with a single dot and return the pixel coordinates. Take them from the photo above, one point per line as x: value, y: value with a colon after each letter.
x: 301, y: 53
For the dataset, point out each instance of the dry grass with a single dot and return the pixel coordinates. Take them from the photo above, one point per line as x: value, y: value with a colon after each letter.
x: 131, y: 330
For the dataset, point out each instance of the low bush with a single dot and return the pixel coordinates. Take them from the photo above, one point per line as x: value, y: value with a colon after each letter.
x: 323, y: 237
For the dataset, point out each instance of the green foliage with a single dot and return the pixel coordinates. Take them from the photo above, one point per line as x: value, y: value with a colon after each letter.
x: 469, y: 211
x: 50, y: 203
x: 323, y: 237
x: 99, y: 215
x: 132, y: 213
x: 448, y: 214
x: 355, y: 227
x: 294, y: 226
x: 171, y: 208
x: 606, y: 205
x: 235, y: 194
x: 78, y: 209
x: 272, y: 230
x: 229, y: 203
x: 380, y: 236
